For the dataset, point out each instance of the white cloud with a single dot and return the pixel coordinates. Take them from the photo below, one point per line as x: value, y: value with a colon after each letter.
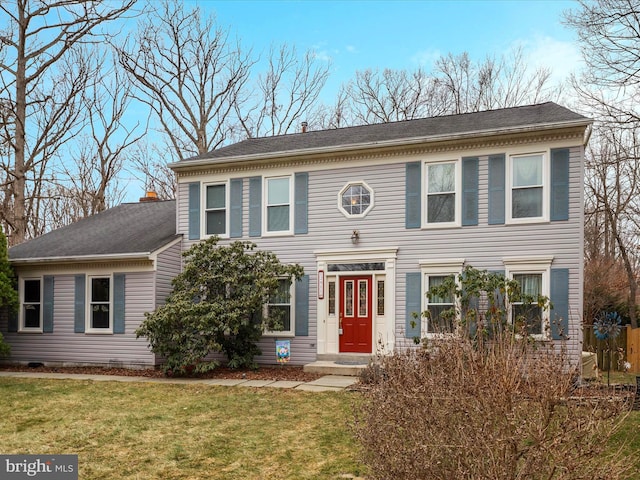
x: 351, y: 49
x: 561, y: 57
x: 426, y: 58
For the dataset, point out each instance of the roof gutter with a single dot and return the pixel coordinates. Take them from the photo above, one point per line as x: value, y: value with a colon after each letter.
x: 191, y: 164
x: 82, y: 258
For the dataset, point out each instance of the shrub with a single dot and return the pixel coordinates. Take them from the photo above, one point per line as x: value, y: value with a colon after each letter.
x: 216, y: 306
x: 505, y: 410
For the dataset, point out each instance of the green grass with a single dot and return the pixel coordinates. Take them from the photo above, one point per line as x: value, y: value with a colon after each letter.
x: 147, y: 431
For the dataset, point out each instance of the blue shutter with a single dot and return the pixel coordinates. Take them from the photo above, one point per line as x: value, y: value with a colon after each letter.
x: 118, y: 302
x: 470, y: 191
x: 302, y: 307
x: 13, y: 320
x: 255, y: 206
x: 560, y: 184
x: 235, y: 215
x: 79, y: 304
x: 301, y: 213
x: 497, y: 187
x: 412, y: 198
x: 47, y: 304
x: 413, y: 304
x: 194, y: 211
x: 559, y: 296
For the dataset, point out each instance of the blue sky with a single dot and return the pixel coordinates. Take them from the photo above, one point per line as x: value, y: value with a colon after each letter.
x: 358, y: 34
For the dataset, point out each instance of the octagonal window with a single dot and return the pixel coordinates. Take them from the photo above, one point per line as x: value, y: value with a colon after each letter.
x: 355, y: 199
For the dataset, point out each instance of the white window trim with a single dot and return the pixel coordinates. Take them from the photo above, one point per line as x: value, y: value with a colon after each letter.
x: 21, y: 318
x: 532, y: 265
x: 292, y: 324
x: 345, y: 188
x: 265, y: 207
x: 203, y: 209
x: 88, y: 329
x: 436, y: 268
x: 458, y: 193
x: 546, y: 185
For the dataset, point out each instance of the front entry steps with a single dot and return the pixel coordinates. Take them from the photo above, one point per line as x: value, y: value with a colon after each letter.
x: 339, y: 364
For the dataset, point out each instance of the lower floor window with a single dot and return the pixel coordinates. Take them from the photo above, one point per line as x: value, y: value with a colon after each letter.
x: 100, y: 303
x: 525, y: 310
x: 31, y: 303
x: 439, y: 308
x: 279, y: 311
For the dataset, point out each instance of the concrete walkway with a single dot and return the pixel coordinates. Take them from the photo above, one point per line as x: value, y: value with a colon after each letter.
x: 327, y: 383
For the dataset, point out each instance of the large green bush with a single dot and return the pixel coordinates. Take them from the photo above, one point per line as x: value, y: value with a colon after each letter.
x: 217, y: 306
x: 8, y: 292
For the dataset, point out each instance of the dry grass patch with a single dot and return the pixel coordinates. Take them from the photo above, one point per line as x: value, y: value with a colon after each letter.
x: 124, y: 431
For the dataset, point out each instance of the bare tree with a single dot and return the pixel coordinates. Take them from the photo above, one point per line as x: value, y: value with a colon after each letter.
x: 613, y: 204
x: 149, y: 161
x: 609, y: 34
x: 189, y: 74
x: 455, y: 85
x: 85, y: 181
x: 285, y: 95
x: 40, y: 82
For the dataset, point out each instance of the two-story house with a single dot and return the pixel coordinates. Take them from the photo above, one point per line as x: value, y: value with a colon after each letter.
x: 378, y: 214
x: 375, y: 214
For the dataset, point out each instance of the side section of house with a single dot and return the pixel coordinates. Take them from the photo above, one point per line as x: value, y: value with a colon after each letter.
x: 374, y: 229
x: 82, y: 314
x: 85, y: 288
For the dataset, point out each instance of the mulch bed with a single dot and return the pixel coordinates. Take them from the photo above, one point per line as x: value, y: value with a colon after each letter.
x: 266, y: 372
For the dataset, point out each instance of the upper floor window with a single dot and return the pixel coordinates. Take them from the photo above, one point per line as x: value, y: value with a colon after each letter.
x: 278, y: 204
x: 441, y: 194
x: 100, y: 312
x: 355, y: 199
x: 527, y: 186
x: 31, y: 304
x: 216, y: 209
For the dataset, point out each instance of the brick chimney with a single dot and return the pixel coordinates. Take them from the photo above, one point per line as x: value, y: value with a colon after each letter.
x: 149, y: 196
x: 304, y: 127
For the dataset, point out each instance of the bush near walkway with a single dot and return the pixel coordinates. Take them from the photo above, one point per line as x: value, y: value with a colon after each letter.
x: 506, y: 410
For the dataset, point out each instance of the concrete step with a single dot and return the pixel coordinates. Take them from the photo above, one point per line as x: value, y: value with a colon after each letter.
x: 329, y: 367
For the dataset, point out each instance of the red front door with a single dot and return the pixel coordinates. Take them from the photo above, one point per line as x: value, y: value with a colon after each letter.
x: 355, y: 314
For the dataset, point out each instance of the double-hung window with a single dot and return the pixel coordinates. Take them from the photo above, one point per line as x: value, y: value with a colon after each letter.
x: 525, y: 310
x: 278, y: 205
x: 441, y: 195
x: 279, y: 309
x: 216, y: 209
x: 31, y: 308
x: 527, y: 179
x: 533, y: 276
x: 100, y: 313
x: 439, y: 310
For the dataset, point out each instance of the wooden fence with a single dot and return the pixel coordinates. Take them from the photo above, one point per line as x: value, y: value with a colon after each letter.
x: 625, y: 348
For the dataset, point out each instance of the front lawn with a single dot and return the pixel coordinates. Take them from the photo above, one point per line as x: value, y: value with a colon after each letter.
x: 147, y: 431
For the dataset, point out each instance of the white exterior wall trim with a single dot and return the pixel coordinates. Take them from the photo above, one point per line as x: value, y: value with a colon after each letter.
x: 383, y: 330
x: 333, y: 149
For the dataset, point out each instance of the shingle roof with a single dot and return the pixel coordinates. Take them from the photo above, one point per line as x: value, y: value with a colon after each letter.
x: 130, y: 228
x: 540, y: 115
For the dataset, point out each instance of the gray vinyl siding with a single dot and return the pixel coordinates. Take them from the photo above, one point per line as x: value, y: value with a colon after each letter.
x: 64, y: 347
x: 169, y: 264
x: 483, y: 246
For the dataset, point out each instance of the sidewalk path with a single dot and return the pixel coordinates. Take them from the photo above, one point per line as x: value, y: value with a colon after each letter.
x: 323, y: 384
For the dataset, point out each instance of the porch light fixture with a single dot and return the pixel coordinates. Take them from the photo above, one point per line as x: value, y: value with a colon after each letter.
x: 355, y: 237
